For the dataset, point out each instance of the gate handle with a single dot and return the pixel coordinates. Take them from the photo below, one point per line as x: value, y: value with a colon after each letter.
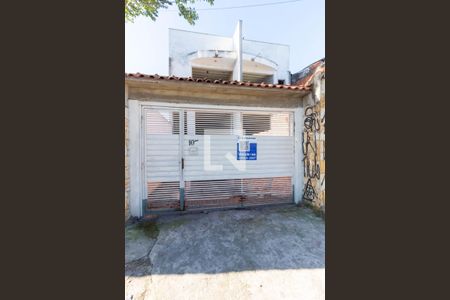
x: 182, y: 164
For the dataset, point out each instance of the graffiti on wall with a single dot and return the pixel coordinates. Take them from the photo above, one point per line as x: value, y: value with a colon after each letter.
x: 313, y: 142
x: 310, y: 192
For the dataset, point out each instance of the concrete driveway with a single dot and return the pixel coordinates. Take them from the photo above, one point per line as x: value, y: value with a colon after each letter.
x: 271, y: 253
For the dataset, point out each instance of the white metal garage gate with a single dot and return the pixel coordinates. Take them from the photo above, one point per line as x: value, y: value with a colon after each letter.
x: 214, y: 158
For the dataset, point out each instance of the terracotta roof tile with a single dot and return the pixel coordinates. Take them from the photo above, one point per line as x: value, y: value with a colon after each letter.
x: 224, y: 82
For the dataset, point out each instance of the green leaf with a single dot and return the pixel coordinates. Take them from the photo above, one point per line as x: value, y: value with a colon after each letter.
x: 150, y: 8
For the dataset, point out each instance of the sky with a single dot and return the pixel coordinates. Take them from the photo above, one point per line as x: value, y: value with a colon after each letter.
x: 301, y: 25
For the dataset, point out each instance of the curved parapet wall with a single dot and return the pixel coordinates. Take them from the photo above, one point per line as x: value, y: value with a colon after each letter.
x: 199, y: 52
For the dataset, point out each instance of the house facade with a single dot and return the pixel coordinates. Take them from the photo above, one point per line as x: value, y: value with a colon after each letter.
x: 197, y: 143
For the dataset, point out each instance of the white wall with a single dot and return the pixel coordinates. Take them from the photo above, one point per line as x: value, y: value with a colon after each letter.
x: 134, y: 153
x: 182, y: 43
x: 275, y: 52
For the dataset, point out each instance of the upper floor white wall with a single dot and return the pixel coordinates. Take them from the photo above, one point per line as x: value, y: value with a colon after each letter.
x: 182, y: 44
x: 276, y: 53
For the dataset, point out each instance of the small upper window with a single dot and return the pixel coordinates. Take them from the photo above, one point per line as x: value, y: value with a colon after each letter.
x: 255, y: 123
x: 272, y: 124
x: 213, y: 123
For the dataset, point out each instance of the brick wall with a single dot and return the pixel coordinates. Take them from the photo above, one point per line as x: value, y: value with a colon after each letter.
x: 314, y: 145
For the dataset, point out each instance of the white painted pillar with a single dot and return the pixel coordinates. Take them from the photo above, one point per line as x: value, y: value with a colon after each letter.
x: 298, y: 152
x: 275, y: 78
x: 135, y: 165
x: 237, y: 45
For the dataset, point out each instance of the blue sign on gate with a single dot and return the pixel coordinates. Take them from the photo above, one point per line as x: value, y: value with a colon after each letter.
x: 246, y: 148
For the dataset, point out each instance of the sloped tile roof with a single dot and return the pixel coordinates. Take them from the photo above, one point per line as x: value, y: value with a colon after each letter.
x: 305, y: 76
x: 224, y: 82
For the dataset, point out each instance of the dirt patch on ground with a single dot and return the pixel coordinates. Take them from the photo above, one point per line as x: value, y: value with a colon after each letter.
x: 137, y: 230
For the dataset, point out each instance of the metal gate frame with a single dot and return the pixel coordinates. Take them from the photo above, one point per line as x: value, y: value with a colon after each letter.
x: 295, y: 123
x: 144, y: 186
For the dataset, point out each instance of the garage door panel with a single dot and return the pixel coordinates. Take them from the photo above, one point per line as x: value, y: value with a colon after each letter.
x: 274, y: 158
x: 287, y: 167
x: 235, y: 176
x: 237, y: 192
x: 230, y: 171
x: 166, y: 169
x: 162, y: 152
x: 163, y: 195
x: 155, y: 162
x: 221, y: 154
x: 158, y: 139
x: 266, y: 180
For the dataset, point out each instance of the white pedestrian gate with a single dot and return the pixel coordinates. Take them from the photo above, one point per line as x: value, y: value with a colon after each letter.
x: 203, y: 158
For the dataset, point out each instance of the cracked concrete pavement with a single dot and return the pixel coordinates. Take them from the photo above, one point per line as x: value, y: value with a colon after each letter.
x: 271, y: 253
